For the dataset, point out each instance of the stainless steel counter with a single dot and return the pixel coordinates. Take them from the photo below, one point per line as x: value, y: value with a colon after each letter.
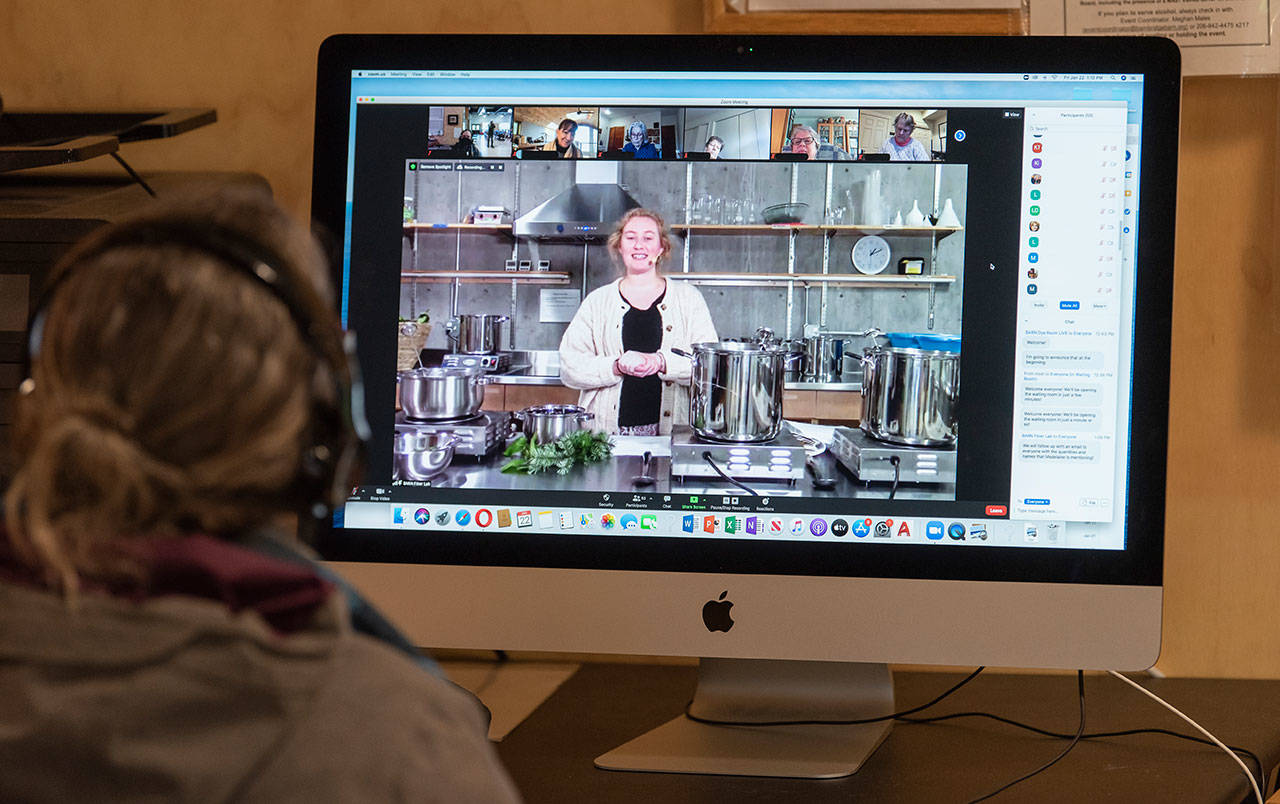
x: 543, y: 368
x: 523, y: 377
x: 617, y: 473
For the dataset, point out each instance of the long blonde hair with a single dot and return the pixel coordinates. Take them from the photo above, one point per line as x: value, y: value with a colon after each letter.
x: 170, y: 394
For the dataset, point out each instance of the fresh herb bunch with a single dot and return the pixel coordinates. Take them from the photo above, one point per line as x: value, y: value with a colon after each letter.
x: 582, y: 446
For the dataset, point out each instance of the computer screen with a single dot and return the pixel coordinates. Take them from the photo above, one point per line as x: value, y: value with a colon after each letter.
x: 866, y: 339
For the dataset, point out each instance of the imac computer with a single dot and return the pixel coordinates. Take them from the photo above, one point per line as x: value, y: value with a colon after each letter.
x: 884, y: 380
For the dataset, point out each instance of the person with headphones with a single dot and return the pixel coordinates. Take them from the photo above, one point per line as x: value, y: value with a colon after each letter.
x: 190, y: 393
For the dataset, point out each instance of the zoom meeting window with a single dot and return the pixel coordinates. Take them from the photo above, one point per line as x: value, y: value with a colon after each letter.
x: 915, y: 295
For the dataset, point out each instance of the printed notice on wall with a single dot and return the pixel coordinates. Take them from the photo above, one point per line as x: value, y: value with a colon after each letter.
x: 1217, y: 37
x: 557, y: 306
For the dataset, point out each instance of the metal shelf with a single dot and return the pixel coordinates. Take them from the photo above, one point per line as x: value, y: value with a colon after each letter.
x: 528, y: 277
x: 739, y: 279
x: 802, y: 229
x: 415, y: 226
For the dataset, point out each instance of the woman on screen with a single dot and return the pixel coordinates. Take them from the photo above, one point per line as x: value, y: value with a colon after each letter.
x: 164, y: 635
x: 638, y: 142
x: 617, y: 348
x: 714, y: 146
x: 562, y: 143
x: 902, y: 147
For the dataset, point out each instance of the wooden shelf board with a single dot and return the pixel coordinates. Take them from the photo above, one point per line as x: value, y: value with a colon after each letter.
x: 761, y: 228
x: 445, y: 227
x: 894, y: 280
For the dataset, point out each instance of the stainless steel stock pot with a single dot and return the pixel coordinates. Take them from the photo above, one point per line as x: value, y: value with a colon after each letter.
x: 910, y: 396
x: 438, y: 393
x: 736, y: 389
x: 476, y: 334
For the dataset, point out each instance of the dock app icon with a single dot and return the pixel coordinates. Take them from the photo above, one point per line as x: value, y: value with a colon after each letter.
x: 546, y: 520
x: 752, y: 525
x: 524, y: 519
x: 731, y: 525
x: 709, y: 524
x: 504, y: 518
x: 689, y: 524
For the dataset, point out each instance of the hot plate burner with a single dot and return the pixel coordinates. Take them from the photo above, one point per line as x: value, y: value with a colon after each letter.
x: 781, y: 459
x: 869, y: 459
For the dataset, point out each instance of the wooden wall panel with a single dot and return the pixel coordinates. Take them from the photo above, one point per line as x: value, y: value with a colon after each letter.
x: 1222, y: 597
x: 254, y: 62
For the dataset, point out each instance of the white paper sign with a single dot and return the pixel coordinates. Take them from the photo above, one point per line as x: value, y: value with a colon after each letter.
x: 557, y: 306
x: 1217, y: 37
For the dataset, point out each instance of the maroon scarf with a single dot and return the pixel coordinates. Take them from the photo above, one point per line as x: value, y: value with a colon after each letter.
x: 285, y: 594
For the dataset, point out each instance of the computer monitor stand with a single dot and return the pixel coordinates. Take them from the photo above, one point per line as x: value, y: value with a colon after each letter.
x: 757, y: 690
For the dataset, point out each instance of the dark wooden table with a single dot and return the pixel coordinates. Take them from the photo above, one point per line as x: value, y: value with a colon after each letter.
x: 603, y: 705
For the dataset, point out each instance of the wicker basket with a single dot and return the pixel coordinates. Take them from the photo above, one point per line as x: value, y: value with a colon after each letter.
x: 411, y: 337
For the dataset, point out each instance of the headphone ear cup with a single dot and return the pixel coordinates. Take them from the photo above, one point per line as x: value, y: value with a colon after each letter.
x: 340, y: 435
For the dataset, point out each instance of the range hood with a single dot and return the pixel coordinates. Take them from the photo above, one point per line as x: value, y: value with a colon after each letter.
x: 586, y: 211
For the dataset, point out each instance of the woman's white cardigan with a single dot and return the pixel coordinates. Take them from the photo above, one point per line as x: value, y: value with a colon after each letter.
x: 593, y: 342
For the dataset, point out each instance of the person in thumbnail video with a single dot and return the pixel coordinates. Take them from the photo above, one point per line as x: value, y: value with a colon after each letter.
x: 165, y: 633
x: 465, y: 147
x: 617, y: 349
x: 488, y: 137
x: 714, y: 146
x: 804, y: 140
x: 902, y: 147
x: 638, y: 142
x: 562, y: 142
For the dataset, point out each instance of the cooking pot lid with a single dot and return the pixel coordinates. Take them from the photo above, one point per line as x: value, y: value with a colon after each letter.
x: 555, y: 410
x: 738, y: 347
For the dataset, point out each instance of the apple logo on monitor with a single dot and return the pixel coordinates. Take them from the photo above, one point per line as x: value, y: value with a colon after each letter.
x: 715, y: 614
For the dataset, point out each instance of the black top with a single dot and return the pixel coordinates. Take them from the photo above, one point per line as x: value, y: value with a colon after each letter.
x: 641, y: 401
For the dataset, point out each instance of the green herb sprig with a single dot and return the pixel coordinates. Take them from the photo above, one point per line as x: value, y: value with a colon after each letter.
x: 582, y: 446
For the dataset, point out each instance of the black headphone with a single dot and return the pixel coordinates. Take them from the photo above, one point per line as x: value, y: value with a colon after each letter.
x: 339, y: 430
